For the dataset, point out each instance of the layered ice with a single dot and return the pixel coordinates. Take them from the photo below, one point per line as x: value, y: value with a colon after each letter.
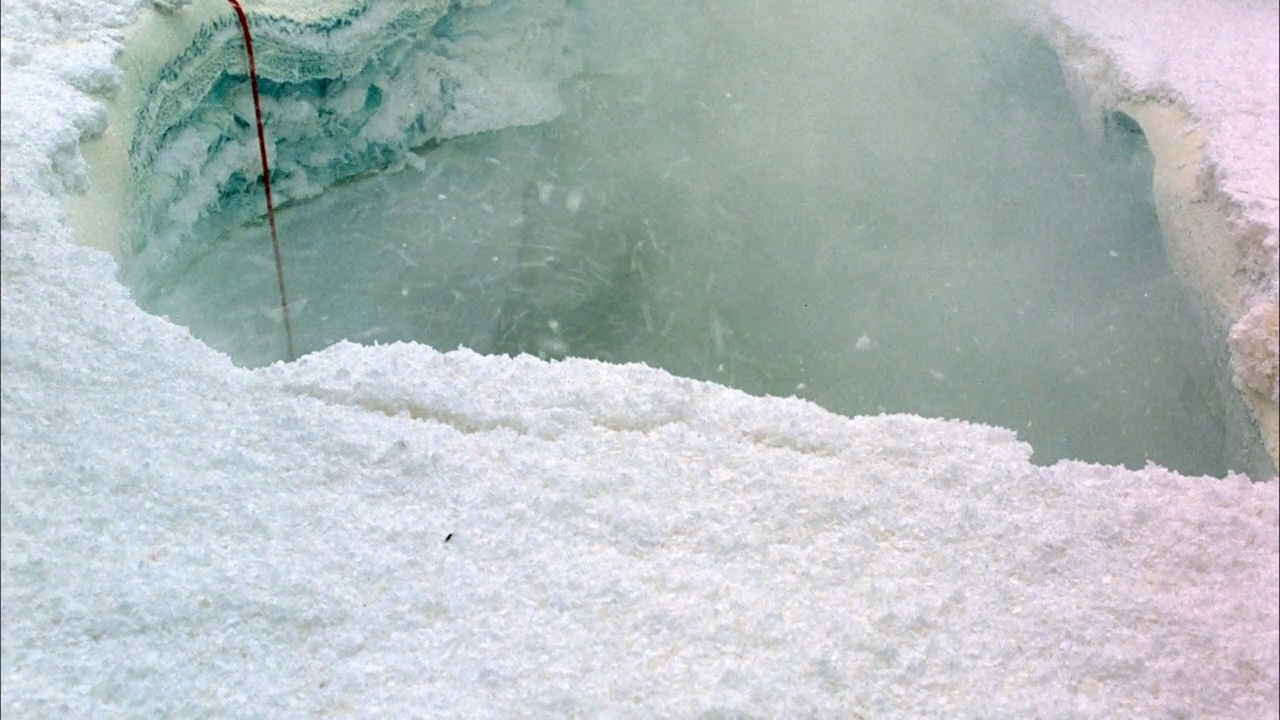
x: 1197, y: 80
x: 344, y: 93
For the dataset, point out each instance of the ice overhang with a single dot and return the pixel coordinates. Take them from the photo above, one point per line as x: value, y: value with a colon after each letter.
x: 348, y: 88
x: 1209, y: 251
x: 1224, y: 256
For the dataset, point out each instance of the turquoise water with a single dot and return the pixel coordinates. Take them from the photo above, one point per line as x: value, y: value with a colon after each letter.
x: 877, y: 209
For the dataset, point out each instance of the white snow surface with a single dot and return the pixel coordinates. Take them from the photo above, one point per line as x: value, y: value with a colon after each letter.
x: 1219, y: 61
x: 184, y: 538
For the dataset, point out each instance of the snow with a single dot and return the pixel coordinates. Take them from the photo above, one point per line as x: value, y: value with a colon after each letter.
x: 394, y: 532
x: 1217, y: 63
x: 1219, y: 60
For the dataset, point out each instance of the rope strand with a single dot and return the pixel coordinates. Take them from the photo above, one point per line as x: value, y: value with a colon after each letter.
x: 266, y: 177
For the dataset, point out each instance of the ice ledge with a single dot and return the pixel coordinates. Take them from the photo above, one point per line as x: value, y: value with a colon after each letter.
x: 1209, y: 118
x: 347, y: 87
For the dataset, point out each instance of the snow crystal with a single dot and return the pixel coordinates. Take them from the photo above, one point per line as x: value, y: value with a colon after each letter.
x: 185, y: 538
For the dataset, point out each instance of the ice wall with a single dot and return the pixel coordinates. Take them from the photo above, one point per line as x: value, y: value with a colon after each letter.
x: 347, y: 88
x: 1201, y: 83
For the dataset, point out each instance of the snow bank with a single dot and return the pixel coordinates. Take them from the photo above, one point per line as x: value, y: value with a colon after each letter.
x: 391, y: 532
x: 1201, y: 81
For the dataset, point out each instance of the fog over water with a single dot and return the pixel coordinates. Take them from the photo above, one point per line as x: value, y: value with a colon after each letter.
x: 879, y: 206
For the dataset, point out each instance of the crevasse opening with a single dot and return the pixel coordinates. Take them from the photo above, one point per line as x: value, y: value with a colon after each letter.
x: 873, y: 208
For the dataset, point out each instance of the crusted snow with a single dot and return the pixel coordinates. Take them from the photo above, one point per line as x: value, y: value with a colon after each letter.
x: 1217, y: 59
x: 394, y: 532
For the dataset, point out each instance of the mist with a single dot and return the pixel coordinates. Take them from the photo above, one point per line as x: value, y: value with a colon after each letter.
x: 877, y: 206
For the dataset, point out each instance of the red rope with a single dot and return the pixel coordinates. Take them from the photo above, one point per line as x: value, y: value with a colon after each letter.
x: 266, y: 175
